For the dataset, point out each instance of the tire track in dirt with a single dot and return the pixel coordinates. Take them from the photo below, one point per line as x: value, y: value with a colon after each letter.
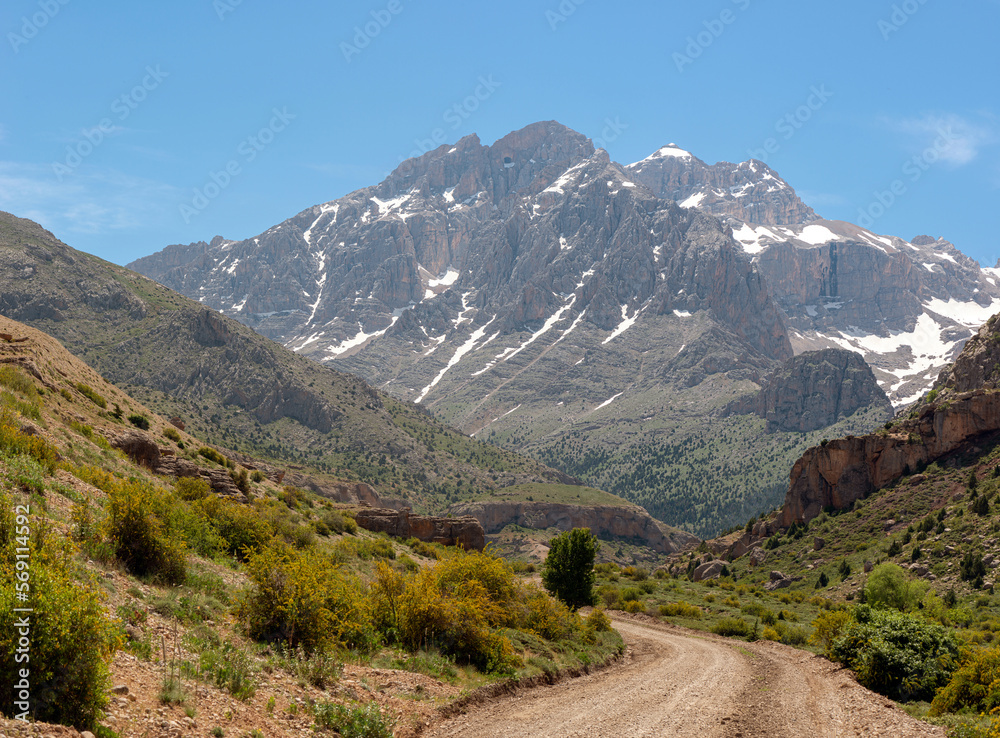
x: 676, y: 682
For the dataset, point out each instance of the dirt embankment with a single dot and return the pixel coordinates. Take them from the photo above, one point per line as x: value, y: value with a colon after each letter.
x: 675, y: 682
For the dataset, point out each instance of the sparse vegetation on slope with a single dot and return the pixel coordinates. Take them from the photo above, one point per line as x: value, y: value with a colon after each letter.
x: 225, y: 607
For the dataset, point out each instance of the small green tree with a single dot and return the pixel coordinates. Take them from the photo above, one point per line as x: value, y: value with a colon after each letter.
x: 888, y: 586
x: 568, y: 572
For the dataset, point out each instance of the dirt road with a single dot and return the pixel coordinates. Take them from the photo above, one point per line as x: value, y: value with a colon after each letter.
x: 675, y: 682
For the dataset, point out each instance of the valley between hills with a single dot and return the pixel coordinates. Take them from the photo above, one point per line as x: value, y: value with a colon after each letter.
x: 254, y: 521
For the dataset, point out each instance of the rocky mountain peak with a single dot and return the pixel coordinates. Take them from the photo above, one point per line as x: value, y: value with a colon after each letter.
x: 750, y: 190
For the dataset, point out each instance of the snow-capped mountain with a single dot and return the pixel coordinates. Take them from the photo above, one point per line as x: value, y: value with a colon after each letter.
x: 601, y: 317
x: 907, y: 306
x: 513, y: 245
x: 750, y: 190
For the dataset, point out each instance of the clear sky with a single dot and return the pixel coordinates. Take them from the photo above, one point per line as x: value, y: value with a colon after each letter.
x: 127, y: 126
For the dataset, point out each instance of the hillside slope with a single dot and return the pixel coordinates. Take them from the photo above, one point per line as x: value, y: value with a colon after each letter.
x: 235, y: 388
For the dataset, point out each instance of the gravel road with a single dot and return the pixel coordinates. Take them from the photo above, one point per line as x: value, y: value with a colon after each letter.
x: 676, y: 682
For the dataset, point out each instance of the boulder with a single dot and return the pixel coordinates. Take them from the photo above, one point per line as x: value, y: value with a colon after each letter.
x: 779, y: 581
x: 139, y: 447
x: 708, y: 570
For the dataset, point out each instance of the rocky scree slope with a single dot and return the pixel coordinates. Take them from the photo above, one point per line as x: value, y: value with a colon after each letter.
x: 316, y: 426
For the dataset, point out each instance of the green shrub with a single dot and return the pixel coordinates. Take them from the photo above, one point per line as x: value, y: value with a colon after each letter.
x: 138, y: 535
x: 680, y: 610
x: 733, y: 627
x: 72, y: 639
x: 139, y: 421
x: 336, y: 521
x: 899, y: 655
x: 422, y: 548
x: 319, y: 668
x: 365, y: 721
x: 92, y: 395
x: 974, y: 686
x: 14, y: 442
x: 972, y: 568
x: 889, y: 586
x: 231, y: 668
x: 828, y: 626
x: 24, y: 473
x: 302, y: 600
x: 240, y: 527
x: 192, y: 488
x: 598, y: 621
x: 365, y: 549
x: 212, y: 455
x: 171, y: 433
x: 456, y: 607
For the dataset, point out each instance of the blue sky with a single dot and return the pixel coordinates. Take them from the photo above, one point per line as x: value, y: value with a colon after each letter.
x: 114, y: 118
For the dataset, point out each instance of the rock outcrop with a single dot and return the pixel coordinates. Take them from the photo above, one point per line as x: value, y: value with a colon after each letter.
x: 708, y: 570
x: 847, y: 469
x: 604, y: 521
x: 465, y: 532
x: 816, y: 389
x: 963, y: 406
x: 144, y: 450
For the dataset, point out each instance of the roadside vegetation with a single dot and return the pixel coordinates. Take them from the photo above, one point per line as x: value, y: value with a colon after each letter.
x: 283, y: 583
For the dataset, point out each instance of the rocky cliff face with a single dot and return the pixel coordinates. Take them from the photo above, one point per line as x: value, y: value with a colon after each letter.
x: 631, y: 523
x: 750, y: 190
x: 907, y: 306
x: 815, y: 389
x: 965, y: 406
x: 465, y: 532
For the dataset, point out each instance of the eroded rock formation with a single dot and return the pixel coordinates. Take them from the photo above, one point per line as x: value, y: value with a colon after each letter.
x: 848, y: 469
x: 604, y: 521
x: 465, y: 532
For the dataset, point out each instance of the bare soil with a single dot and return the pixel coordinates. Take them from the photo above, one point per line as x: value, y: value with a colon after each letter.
x: 677, y: 682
